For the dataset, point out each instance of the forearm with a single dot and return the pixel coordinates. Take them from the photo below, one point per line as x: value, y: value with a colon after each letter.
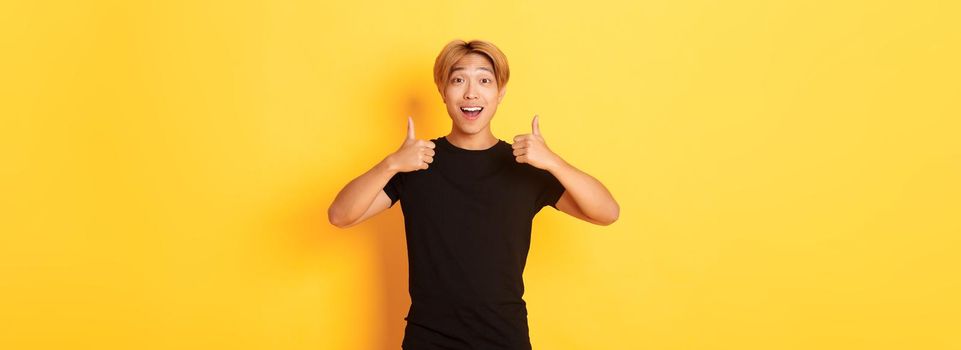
x: 354, y: 199
x: 588, y: 193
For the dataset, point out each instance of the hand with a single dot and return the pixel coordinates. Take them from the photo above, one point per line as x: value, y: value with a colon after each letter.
x: 531, y: 149
x: 413, y: 154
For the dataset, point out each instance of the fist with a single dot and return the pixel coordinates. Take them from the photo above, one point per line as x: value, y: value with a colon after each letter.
x: 531, y: 149
x: 413, y: 154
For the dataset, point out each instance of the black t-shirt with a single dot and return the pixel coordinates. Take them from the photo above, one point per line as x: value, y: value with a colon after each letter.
x: 468, y: 223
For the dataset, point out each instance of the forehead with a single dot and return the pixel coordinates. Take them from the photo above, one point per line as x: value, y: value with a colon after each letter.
x: 473, y: 61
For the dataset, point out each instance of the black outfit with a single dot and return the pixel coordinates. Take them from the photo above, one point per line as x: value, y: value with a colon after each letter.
x: 468, y: 223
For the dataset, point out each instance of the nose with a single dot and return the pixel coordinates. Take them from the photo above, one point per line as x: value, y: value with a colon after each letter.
x: 470, y: 93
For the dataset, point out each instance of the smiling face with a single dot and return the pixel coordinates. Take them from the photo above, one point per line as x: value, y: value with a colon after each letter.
x: 472, y: 95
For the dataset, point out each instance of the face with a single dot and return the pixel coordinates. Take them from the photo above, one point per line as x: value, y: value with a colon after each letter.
x: 471, y: 95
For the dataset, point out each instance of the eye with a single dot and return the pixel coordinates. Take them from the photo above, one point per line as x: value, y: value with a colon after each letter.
x: 486, y: 81
x: 457, y: 80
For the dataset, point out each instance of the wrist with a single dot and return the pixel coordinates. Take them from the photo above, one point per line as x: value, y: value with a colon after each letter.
x: 557, y: 165
x: 389, y: 165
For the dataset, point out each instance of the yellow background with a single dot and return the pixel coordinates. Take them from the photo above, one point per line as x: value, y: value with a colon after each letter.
x: 788, y: 173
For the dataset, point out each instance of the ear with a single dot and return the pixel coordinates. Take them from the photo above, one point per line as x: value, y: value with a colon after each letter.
x: 500, y: 94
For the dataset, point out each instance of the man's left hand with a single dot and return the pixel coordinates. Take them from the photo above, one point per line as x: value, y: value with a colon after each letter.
x: 531, y: 149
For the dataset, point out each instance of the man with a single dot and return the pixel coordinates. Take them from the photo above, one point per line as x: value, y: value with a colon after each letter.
x: 468, y: 200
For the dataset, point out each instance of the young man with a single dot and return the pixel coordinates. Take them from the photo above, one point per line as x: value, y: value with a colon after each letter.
x: 468, y: 200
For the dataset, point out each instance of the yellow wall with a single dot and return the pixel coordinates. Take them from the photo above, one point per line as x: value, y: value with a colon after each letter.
x: 788, y: 173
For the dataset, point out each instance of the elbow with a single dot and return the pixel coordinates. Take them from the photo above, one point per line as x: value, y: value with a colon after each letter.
x: 336, y: 219
x: 611, y: 216
x: 607, y: 221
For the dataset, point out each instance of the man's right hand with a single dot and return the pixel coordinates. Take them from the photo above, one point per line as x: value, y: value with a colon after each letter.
x: 413, y: 154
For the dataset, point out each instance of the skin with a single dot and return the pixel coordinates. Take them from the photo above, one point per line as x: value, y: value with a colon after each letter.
x: 472, y: 83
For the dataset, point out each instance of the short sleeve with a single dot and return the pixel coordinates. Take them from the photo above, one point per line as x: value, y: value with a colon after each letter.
x: 551, y: 190
x: 394, y: 188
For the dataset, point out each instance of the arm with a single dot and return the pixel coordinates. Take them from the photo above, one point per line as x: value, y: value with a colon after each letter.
x: 364, y: 196
x: 584, y: 196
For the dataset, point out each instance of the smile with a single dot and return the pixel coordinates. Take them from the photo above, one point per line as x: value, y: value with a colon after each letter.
x: 472, y: 112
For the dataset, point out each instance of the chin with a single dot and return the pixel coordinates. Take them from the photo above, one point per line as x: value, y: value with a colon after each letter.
x: 468, y: 131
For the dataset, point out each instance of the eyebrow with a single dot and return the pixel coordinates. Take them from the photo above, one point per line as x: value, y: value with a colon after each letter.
x: 462, y: 68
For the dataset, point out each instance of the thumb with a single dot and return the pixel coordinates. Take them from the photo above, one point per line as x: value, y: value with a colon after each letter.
x: 410, y: 128
x: 534, y: 127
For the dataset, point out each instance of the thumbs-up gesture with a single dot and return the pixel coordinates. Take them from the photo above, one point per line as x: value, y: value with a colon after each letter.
x: 413, y: 154
x: 531, y: 149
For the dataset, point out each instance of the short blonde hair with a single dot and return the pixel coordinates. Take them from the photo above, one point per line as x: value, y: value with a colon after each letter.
x: 457, y: 49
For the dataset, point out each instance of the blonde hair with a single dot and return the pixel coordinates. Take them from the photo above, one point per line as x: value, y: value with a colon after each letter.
x: 457, y: 49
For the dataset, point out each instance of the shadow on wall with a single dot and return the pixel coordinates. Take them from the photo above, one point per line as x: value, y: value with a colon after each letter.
x: 384, y: 234
x: 411, y: 93
x: 408, y: 91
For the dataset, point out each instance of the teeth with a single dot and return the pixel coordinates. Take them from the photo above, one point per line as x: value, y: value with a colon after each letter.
x: 471, y: 109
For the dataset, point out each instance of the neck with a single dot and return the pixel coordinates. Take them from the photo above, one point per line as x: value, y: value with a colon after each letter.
x: 479, y: 141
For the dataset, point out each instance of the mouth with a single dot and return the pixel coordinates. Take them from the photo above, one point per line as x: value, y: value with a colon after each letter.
x: 471, y: 112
